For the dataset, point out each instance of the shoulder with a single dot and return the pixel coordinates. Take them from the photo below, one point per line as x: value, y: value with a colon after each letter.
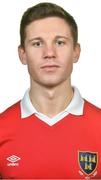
x: 91, y: 109
x: 9, y: 121
x: 11, y: 112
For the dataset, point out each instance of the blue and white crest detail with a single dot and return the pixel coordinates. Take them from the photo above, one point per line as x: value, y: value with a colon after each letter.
x: 88, y: 161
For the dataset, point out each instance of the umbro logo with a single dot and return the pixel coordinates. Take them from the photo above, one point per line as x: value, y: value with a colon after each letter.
x: 13, y: 160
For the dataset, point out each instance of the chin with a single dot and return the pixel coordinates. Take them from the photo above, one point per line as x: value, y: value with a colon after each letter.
x: 51, y: 84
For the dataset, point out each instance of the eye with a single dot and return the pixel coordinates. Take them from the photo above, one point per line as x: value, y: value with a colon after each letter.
x: 37, y: 44
x: 60, y: 42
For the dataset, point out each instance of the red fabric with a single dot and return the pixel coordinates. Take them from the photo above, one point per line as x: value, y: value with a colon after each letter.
x: 48, y: 152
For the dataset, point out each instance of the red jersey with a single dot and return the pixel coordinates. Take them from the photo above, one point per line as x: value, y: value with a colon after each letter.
x: 31, y: 149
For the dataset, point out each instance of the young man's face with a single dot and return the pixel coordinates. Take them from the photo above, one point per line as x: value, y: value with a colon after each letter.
x: 49, y: 51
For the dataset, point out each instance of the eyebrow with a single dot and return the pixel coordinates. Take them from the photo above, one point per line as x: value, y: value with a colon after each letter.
x: 61, y: 36
x: 36, y: 38
x: 40, y: 38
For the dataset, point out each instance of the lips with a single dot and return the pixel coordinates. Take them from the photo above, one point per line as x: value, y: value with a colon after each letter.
x: 50, y: 66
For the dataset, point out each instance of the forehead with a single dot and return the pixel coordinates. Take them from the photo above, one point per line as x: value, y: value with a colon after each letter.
x: 50, y: 26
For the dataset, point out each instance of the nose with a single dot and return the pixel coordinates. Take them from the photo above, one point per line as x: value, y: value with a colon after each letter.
x: 49, y: 52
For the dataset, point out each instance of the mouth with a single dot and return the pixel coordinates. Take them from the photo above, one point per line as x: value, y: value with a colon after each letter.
x: 51, y: 67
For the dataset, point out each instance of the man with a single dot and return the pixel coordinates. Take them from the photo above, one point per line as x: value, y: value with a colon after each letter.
x: 52, y: 133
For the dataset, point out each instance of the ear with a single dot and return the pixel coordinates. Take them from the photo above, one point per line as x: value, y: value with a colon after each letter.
x: 22, y: 55
x: 77, y: 50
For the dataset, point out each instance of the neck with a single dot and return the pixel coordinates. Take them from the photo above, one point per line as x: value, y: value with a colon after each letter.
x: 51, y: 101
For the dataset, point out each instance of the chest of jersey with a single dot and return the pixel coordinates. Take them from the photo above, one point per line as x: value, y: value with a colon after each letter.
x: 68, y: 149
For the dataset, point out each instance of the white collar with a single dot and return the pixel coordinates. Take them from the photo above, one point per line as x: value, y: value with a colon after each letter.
x: 75, y: 107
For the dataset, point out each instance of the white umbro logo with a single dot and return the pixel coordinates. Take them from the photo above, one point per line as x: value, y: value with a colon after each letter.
x: 13, y: 160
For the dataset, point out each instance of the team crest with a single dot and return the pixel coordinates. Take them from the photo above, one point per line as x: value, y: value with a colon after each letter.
x: 88, y: 162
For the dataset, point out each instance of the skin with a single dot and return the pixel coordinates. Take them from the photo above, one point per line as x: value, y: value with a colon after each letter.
x: 49, y: 53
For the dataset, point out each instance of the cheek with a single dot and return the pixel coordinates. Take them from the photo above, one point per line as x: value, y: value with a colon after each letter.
x: 67, y: 63
x: 31, y: 63
x: 67, y: 59
x: 68, y: 67
x: 66, y: 54
x: 32, y: 58
x: 32, y: 67
x: 33, y: 53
